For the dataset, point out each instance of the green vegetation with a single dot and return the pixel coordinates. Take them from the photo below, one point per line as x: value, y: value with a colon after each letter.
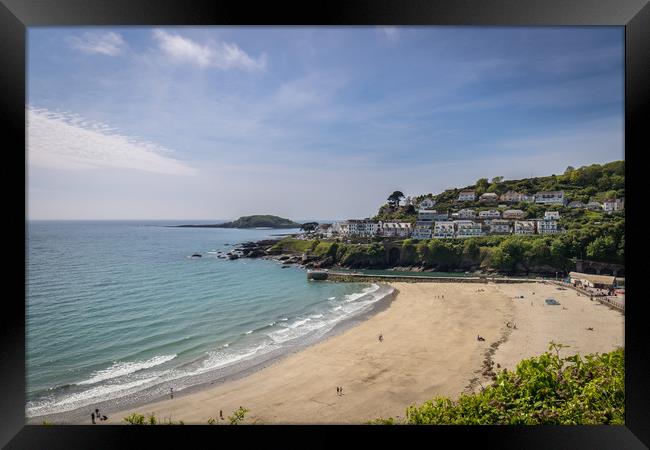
x: 542, y: 390
x: 139, y: 419
x: 292, y: 245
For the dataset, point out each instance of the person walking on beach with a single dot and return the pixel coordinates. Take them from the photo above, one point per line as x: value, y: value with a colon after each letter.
x: 341, y: 390
x: 338, y: 390
x: 171, y: 392
x: 381, y: 338
x: 221, y: 414
x: 92, y: 417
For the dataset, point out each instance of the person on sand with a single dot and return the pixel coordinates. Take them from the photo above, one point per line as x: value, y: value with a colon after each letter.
x: 104, y: 418
x: 92, y: 417
x: 381, y: 338
x: 341, y: 390
x: 221, y: 414
x: 338, y: 390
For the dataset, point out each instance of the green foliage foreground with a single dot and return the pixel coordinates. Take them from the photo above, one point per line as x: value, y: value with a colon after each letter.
x: 542, y: 390
x: 138, y: 419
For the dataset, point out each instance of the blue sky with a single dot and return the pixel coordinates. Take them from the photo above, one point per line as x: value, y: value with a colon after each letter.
x: 313, y: 122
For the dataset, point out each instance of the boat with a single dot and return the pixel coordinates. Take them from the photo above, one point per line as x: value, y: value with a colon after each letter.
x: 197, y: 255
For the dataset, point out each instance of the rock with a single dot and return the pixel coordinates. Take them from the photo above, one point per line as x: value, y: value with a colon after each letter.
x: 327, y: 262
x: 233, y: 256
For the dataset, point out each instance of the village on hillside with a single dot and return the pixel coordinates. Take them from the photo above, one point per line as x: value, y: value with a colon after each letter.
x: 465, y: 221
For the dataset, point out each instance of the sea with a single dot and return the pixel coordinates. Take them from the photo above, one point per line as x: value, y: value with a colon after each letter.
x: 119, y: 313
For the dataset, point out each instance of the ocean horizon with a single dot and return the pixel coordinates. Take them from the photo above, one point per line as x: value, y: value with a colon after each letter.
x: 118, y: 312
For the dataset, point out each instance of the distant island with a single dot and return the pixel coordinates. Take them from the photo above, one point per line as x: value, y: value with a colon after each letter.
x: 256, y: 221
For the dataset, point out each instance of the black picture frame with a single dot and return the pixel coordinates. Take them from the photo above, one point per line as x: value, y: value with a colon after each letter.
x: 16, y: 15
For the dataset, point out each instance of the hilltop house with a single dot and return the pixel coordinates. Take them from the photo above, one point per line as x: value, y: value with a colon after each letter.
x: 467, y: 228
x: 594, y: 206
x: 551, y: 215
x: 500, y: 226
x: 576, y: 204
x: 488, y: 197
x: 513, y: 214
x: 422, y: 230
x: 443, y: 230
x: 491, y: 214
x: 550, y: 197
x: 524, y: 227
x: 547, y: 226
x: 466, y: 196
x: 613, y: 204
x: 511, y: 197
x: 426, y: 215
x: 396, y: 229
x: 466, y: 214
x: 363, y: 227
x: 427, y: 203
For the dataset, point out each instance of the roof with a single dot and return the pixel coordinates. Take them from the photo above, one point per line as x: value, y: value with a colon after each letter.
x: 489, y: 193
x: 550, y: 192
x: 467, y: 192
x: 601, y: 279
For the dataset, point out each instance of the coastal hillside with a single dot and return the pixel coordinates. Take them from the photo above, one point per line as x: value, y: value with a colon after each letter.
x: 255, y: 221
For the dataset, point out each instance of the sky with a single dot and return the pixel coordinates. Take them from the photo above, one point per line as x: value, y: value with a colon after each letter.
x: 307, y: 122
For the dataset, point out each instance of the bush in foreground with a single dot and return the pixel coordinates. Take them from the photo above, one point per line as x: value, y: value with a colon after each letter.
x: 542, y: 390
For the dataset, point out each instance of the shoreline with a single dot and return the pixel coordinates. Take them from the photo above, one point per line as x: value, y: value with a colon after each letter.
x: 221, y: 376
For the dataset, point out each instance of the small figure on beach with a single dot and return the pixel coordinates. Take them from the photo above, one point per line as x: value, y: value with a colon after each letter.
x: 341, y: 390
x: 508, y: 324
x: 221, y: 414
x: 104, y: 418
x: 479, y: 338
x: 381, y: 338
x: 590, y: 329
x: 171, y: 392
x: 514, y: 326
x: 92, y: 417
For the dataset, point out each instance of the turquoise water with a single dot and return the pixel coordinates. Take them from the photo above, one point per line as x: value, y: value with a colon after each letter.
x: 119, y: 311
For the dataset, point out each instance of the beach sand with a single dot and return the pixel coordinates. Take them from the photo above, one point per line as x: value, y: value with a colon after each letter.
x: 430, y: 348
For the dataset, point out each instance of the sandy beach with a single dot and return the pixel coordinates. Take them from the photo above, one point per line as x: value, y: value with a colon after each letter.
x: 430, y: 348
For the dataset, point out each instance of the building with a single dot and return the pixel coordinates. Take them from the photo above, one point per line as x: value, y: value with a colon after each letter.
x: 552, y: 215
x: 340, y: 228
x: 466, y: 196
x: 595, y: 281
x: 468, y: 228
x: 491, y: 214
x: 547, y: 226
x: 550, y: 197
x: 422, y: 230
x: 576, y: 204
x: 500, y: 226
x: 363, y: 228
x: 527, y: 198
x: 395, y: 229
x: 513, y: 214
x: 614, y: 204
x: 511, y: 197
x: 444, y: 229
x: 488, y: 197
x: 426, y: 215
x: 440, y: 216
x: 466, y: 214
x: 524, y: 227
x: 427, y: 203
x: 594, y: 206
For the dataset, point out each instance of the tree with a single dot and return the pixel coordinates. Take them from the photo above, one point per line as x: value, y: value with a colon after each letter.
x: 481, y: 185
x: 394, y: 198
x: 309, y: 226
x: 497, y: 180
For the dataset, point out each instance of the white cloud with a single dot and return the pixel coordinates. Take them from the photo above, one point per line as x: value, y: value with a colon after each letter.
x: 67, y: 141
x: 221, y: 55
x: 103, y: 43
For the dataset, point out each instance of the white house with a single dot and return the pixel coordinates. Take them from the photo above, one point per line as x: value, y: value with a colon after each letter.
x: 513, y: 214
x: 426, y: 214
x: 613, y: 204
x: 395, y: 229
x: 340, y: 228
x: 422, y: 230
x: 427, y: 203
x: 594, y: 206
x: 467, y: 228
x: 491, y: 214
x: 551, y: 215
x: 364, y: 228
x: 488, y: 197
x: 547, y: 226
x: 511, y: 197
x: 524, y: 227
x: 500, y: 226
x: 550, y: 197
x: 466, y: 214
x: 443, y: 230
x: 466, y: 196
